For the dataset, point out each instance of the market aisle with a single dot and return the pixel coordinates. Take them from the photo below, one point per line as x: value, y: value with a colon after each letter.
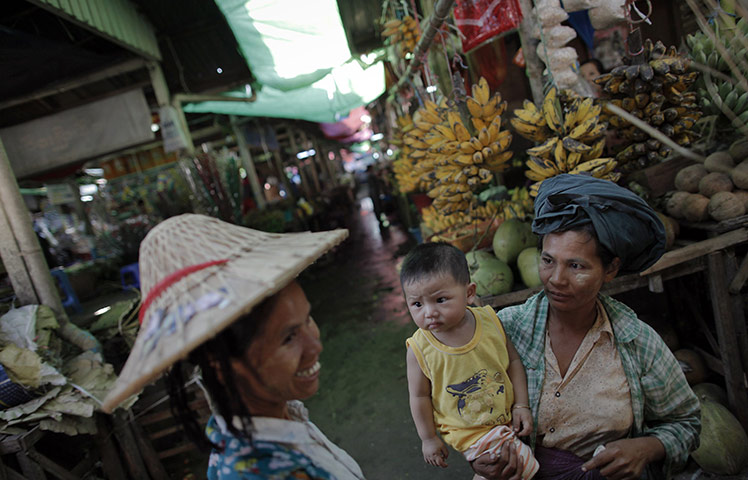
x: 362, y: 404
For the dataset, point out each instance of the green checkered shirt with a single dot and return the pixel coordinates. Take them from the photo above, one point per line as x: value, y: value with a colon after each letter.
x: 664, y: 406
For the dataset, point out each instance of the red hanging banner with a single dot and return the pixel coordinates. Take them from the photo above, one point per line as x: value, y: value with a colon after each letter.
x: 481, y: 20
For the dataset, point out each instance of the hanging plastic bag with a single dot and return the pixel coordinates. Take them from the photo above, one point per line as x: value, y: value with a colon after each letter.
x: 608, y: 14
x: 481, y: 20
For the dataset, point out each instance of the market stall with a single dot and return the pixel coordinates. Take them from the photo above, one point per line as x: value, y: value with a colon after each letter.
x: 665, y: 121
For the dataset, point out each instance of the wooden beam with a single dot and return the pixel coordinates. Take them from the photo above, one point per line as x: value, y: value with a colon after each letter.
x: 727, y: 336
x: 740, y: 277
x: 61, y: 87
x: 699, y: 249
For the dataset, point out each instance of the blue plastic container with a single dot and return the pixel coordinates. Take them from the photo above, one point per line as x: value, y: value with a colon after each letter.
x: 11, y: 394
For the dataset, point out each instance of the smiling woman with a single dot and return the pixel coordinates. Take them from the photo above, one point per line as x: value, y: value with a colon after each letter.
x: 608, y: 397
x: 224, y: 297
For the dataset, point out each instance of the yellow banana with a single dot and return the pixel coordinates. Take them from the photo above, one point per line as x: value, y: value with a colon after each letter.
x: 575, y: 145
x: 552, y: 111
x: 597, y: 150
x: 478, y: 123
x: 481, y: 92
x: 559, y: 156
x: 475, y: 108
x: 583, y: 128
x: 544, y: 149
x: 572, y: 160
x: 591, y: 164
x: 461, y: 132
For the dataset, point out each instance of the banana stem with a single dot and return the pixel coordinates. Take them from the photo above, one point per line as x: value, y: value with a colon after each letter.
x: 653, y: 132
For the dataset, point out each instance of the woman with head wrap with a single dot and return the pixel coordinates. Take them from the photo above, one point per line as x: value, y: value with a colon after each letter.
x: 607, y: 396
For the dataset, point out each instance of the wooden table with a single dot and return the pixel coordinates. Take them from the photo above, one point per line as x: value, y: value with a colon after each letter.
x: 716, y: 258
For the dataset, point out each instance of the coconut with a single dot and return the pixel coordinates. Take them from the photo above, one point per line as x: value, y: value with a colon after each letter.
x: 474, y: 259
x: 739, y: 149
x: 512, y: 237
x: 743, y: 197
x: 692, y: 365
x: 715, y: 182
x: 675, y: 203
x: 739, y: 175
x: 711, y: 392
x: 719, y: 162
x: 695, y: 208
x: 492, y: 276
x: 687, y: 179
x: 723, y: 449
x: 528, y: 262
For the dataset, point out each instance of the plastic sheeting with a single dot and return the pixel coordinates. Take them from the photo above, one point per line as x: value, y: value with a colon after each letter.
x: 298, y: 52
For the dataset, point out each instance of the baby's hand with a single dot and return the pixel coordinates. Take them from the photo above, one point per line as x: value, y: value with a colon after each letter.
x: 435, y: 452
x: 522, y: 421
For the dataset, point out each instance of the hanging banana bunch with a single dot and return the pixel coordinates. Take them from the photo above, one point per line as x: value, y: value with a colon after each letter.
x: 716, y: 93
x: 657, y: 92
x: 402, y: 33
x: 519, y: 205
x: 463, y: 161
x: 571, y: 136
x: 403, y: 167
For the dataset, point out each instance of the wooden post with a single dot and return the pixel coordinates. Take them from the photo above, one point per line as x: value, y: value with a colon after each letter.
x: 533, y: 65
x: 36, y: 269
x: 149, y: 454
x: 110, y: 461
x: 294, y: 150
x: 312, y: 161
x: 722, y: 306
x: 13, y: 261
x: 282, y: 172
x: 325, y: 161
x: 249, y: 165
x: 128, y: 446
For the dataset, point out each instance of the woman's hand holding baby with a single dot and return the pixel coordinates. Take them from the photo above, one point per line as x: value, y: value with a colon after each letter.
x: 434, y: 452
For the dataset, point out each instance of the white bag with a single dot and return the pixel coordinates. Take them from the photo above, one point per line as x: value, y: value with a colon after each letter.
x: 558, y: 36
x: 551, y: 16
x: 608, y: 14
x: 576, y: 5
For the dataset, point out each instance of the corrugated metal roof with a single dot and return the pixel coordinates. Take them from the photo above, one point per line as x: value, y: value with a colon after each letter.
x: 116, y: 20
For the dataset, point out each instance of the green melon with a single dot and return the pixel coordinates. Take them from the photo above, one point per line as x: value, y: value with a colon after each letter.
x: 512, y: 237
x: 475, y: 257
x: 492, y: 276
x: 724, y: 445
x: 711, y: 392
x: 528, y: 262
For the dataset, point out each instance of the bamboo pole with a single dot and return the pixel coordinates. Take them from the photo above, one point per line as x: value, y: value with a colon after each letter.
x: 249, y: 165
x: 30, y: 251
x: 441, y: 10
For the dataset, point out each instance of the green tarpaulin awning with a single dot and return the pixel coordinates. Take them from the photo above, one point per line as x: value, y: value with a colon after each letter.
x: 298, y: 52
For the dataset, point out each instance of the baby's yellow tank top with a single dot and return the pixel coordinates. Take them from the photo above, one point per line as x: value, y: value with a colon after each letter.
x: 470, y: 389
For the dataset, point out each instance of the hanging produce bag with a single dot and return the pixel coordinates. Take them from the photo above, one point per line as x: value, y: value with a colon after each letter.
x: 481, y: 20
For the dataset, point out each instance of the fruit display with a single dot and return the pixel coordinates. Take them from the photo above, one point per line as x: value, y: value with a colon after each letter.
x: 722, y: 90
x: 511, y: 238
x: 455, y: 156
x: 715, y: 190
x: 402, y: 33
x: 723, y: 446
x: 571, y: 135
x: 655, y: 87
x: 491, y: 275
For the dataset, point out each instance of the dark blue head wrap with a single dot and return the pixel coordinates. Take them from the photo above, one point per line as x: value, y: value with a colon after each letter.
x: 625, y: 224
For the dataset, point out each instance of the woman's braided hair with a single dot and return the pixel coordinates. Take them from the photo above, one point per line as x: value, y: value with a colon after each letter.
x: 213, y: 358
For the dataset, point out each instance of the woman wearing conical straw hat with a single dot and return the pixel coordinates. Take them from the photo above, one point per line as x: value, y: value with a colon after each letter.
x: 224, y: 298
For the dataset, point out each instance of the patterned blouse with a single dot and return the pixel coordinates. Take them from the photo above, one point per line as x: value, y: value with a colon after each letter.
x: 280, y: 449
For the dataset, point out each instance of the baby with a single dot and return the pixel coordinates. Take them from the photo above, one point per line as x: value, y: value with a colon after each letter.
x: 464, y: 374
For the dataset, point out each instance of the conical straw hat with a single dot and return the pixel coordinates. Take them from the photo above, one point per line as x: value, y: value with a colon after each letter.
x: 198, y: 274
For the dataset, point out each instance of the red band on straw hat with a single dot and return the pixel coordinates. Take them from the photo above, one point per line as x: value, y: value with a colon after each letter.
x: 165, y: 283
